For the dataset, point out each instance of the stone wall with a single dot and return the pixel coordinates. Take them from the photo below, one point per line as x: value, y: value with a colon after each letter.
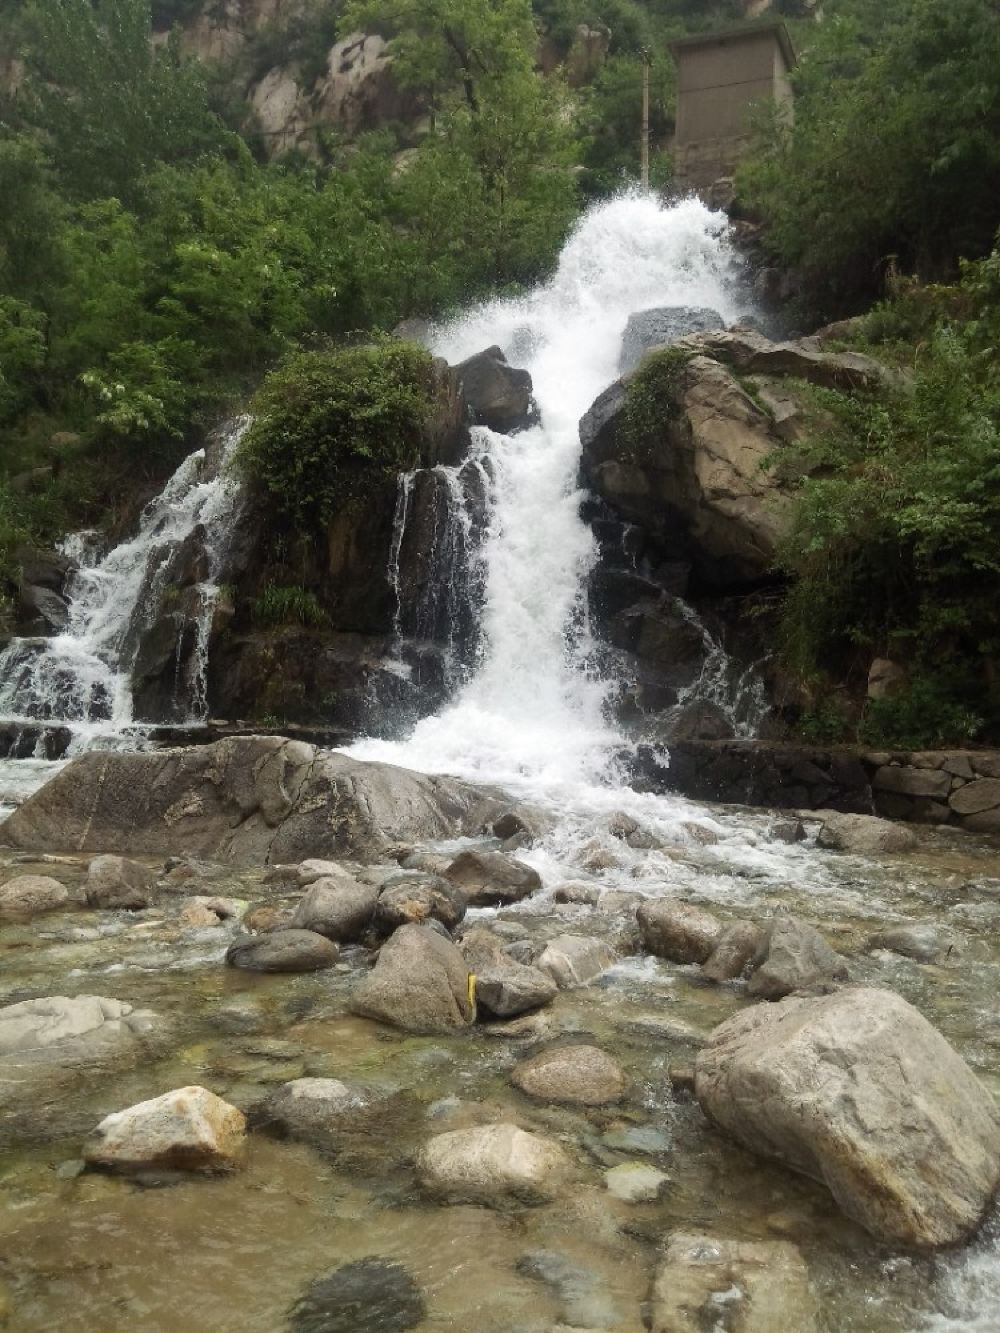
x: 957, y: 787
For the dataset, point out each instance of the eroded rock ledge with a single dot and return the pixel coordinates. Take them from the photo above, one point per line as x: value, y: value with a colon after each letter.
x: 247, y: 800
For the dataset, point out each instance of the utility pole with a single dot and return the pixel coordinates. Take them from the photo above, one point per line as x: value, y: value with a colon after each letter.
x: 644, y: 141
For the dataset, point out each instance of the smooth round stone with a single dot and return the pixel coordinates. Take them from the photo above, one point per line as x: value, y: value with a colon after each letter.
x: 283, y: 951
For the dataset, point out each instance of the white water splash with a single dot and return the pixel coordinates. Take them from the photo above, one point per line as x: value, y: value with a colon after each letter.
x: 532, y: 715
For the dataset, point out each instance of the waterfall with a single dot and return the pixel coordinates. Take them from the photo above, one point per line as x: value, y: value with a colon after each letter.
x: 79, y: 681
x: 532, y: 710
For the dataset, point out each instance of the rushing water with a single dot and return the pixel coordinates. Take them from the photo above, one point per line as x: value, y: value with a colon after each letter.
x: 79, y: 680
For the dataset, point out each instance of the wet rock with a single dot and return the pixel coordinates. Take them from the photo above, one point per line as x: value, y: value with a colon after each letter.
x: 582, y: 1302
x: 489, y: 879
x: 976, y: 798
x: 788, y: 830
x: 636, y: 1182
x: 925, y: 943
x: 511, y: 825
x: 742, y: 1286
x: 244, y: 800
x: 412, y: 897
x: 64, y: 1026
x: 637, y: 1139
x: 283, y: 951
x: 678, y: 932
x: 734, y: 951
x: 790, y: 956
x: 420, y: 983
x: 504, y: 987
x: 189, y: 1129
x: 372, y: 1295
x: 202, y: 909
x: 337, y: 906
x: 583, y: 1075
x: 238, y: 1018
x: 196, y: 917
x: 587, y: 894
x: 574, y: 960
x: 314, y: 1109
x: 863, y: 834
x: 267, y: 917
x: 308, y: 872
x: 661, y: 326
x: 493, y: 1163
x: 42, y: 611
x: 859, y: 1092
x: 499, y: 395
x: 31, y: 895
x: 115, y: 882
x: 681, y: 1077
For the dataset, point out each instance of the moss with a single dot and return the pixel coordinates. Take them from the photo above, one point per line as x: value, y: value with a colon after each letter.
x: 288, y: 605
x: 653, y: 398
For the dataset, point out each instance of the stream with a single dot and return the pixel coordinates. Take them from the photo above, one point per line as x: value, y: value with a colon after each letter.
x: 95, y: 1253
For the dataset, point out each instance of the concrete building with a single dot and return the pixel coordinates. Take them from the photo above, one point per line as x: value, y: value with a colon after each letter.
x: 721, y: 76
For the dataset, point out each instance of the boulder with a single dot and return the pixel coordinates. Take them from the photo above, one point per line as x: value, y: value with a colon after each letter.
x: 415, y: 896
x: 575, y: 960
x: 493, y: 1163
x: 339, y: 907
x: 583, y: 1075
x: 976, y: 797
x: 499, y: 396
x: 64, y: 1025
x: 924, y: 942
x: 245, y: 800
x: 189, y: 1129
x: 790, y: 956
x: 752, y: 354
x: 661, y: 326
x: 489, y: 879
x: 734, y: 951
x: 742, y: 1286
x: 504, y: 986
x: 314, y: 1110
x: 30, y: 895
x: 282, y: 951
x: 679, y: 932
x: 859, y: 1092
x: 583, y: 1304
x: 864, y: 835
x: 115, y: 882
x: 420, y: 983
x: 42, y: 611
x: 374, y: 1293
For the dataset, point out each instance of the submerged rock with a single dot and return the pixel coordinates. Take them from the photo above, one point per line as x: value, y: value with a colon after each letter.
x: 858, y: 1091
x: 420, y: 983
x: 372, y: 1295
x: 582, y: 1302
x: 58, y: 1021
x: 31, y: 895
x: 489, y: 879
x: 314, y: 1109
x: 742, y: 1286
x: 863, y: 834
x: 679, y: 932
x: 283, y: 951
x: 792, y: 955
x: 584, y: 1075
x: 492, y: 1163
x: 116, y: 882
x: 575, y: 960
x: 189, y: 1129
x: 924, y: 942
x: 636, y: 1182
x: 337, y: 906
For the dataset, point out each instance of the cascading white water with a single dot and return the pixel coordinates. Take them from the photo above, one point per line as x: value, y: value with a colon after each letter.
x: 532, y: 712
x: 80, y: 679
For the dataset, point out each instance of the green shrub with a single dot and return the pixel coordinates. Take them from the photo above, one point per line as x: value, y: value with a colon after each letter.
x: 288, y: 605
x: 330, y: 422
x: 825, y: 724
x: 652, y: 398
x: 924, y: 716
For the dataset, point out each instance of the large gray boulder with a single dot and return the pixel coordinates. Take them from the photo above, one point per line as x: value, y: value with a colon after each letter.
x: 791, y: 955
x: 661, y: 326
x: 282, y: 951
x: 420, y: 983
x: 489, y: 879
x: 412, y: 897
x: 30, y: 895
x: 859, y: 1092
x: 499, y: 395
x: 679, y: 932
x: 761, y: 1286
x: 116, y: 882
x: 248, y: 800
x: 864, y: 835
x: 504, y: 987
x: 337, y: 906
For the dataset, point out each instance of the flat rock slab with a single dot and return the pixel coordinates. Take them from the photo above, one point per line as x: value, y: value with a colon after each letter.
x: 858, y: 1091
x: 246, y: 800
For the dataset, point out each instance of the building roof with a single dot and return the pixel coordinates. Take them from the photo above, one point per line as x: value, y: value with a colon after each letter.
x: 721, y: 36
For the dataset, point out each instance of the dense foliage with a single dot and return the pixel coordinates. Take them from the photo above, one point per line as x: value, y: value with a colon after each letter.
x: 894, y: 156
x: 331, y: 421
x: 895, y: 546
